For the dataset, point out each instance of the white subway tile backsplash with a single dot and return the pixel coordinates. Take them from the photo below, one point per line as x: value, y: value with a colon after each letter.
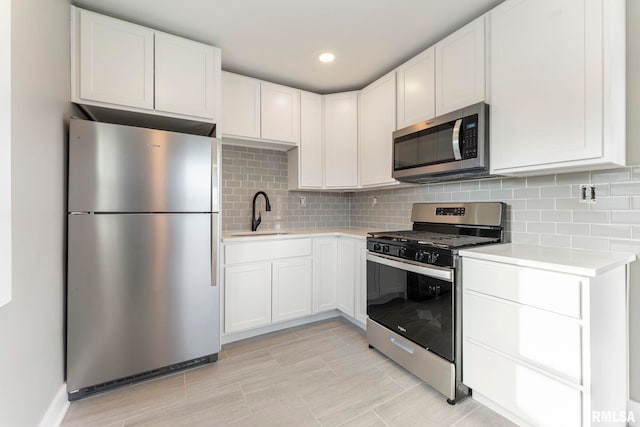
x: 514, y: 182
x: 590, y: 243
x: 540, y: 204
x: 526, y: 193
x: 541, y: 181
x: 625, y: 189
x: 613, y: 231
x: 573, y: 178
x: 625, y: 217
x: 591, y: 217
x: 540, y: 209
x: 611, y: 203
x: 611, y: 175
x: 541, y: 227
x: 555, y: 240
x: 556, y: 216
x: 557, y: 191
x: 573, y: 229
x: 499, y: 195
x: 490, y: 184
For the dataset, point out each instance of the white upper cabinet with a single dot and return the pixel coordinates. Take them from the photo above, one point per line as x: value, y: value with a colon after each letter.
x: 240, y: 105
x: 416, y: 89
x: 306, y: 163
x: 115, y: 61
x: 280, y: 109
x: 460, y: 64
x: 557, y: 85
x: 117, y: 64
x: 341, y: 140
x: 260, y: 110
x: 377, y: 122
x: 185, y: 72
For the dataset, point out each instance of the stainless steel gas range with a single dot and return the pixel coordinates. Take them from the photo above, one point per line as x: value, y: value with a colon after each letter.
x: 414, y: 291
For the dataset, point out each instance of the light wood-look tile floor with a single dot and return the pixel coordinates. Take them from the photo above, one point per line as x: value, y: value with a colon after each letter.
x: 321, y: 374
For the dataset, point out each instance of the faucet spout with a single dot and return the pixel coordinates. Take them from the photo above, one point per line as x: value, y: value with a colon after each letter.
x: 255, y: 222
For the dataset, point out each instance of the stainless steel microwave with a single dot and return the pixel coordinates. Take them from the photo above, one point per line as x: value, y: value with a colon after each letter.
x: 449, y: 147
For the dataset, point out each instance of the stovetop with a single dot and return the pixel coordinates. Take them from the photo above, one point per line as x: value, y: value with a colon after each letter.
x: 439, y: 240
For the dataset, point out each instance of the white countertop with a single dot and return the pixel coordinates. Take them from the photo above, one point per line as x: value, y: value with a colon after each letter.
x: 242, y: 236
x: 571, y: 261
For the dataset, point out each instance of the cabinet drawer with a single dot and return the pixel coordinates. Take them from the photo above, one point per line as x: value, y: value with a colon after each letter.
x: 556, y: 292
x: 541, y: 338
x: 266, y: 251
x: 525, y: 392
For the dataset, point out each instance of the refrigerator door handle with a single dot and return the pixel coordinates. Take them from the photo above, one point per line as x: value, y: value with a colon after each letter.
x: 214, y: 249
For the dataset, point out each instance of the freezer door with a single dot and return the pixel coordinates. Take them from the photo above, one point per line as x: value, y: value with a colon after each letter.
x: 115, y: 168
x: 139, y: 294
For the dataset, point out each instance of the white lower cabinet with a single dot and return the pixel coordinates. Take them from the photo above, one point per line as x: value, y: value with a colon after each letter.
x: 247, y: 297
x: 348, y: 257
x: 544, y: 347
x: 266, y: 282
x: 325, y: 273
x: 361, y: 284
x: 291, y: 288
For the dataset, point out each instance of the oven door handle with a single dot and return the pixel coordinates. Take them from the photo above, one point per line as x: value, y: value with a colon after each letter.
x: 414, y: 267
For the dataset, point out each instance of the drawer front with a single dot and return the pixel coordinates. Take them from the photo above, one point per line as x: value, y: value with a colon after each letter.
x: 237, y: 253
x: 527, y: 393
x: 434, y: 370
x: 548, y: 340
x: 556, y: 292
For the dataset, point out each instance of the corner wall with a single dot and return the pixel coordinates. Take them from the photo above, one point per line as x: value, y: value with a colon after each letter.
x: 31, y: 325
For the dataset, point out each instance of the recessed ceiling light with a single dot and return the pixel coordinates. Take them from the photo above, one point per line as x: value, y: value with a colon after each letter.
x: 327, y: 57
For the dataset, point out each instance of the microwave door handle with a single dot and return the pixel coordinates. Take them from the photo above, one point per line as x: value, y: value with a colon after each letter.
x: 455, y: 141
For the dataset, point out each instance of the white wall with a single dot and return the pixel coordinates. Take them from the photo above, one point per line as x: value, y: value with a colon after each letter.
x: 31, y: 325
x: 633, y: 157
x: 5, y: 151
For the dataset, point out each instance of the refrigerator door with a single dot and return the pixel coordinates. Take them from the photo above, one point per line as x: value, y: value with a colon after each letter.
x: 115, y: 168
x: 139, y: 294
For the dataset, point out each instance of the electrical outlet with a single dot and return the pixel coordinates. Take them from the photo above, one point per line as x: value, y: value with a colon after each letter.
x: 374, y: 201
x: 587, y: 193
x: 303, y: 201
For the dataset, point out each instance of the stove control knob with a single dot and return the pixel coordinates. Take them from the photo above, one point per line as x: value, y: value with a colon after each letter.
x: 419, y: 255
x: 377, y: 247
x: 385, y: 248
x: 402, y: 252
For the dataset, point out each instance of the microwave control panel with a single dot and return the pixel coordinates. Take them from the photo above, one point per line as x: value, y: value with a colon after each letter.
x: 470, y: 137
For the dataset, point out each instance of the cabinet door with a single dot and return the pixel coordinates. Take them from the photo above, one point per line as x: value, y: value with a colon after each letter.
x: 325, y: 273
x: 416, y: 89
x: 311, y: 157
x: 348, y: 266
x: 377, y: 123
x: 460, y: 68
x: 280, y: 113
x: 546, y: 83
x: 185, y: 73
x: 361, y: 283
x: 116, y: 61
x: 341, y: 140
x: 291, y: 282
x: 240, y: 105
x: 247, y: 296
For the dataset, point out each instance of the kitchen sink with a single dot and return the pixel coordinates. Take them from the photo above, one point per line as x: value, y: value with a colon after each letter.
x: 259, y: 233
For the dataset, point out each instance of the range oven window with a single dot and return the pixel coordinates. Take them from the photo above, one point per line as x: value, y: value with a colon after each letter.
x: 416, y: 306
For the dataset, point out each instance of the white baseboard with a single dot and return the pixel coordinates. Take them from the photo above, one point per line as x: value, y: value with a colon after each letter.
x: 57, y: 409
x: 634, y: 407
x: 237, y: 336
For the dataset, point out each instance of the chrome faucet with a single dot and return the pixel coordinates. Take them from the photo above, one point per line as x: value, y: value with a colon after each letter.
x: 255, y: 222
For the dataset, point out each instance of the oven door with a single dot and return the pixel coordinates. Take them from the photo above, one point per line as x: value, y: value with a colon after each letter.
x: 414, y: 300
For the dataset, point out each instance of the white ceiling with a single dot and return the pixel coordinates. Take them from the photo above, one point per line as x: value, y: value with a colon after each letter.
x: 280, y: 40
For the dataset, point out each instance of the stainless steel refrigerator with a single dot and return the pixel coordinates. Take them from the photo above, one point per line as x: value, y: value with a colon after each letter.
x: 142, y: 248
